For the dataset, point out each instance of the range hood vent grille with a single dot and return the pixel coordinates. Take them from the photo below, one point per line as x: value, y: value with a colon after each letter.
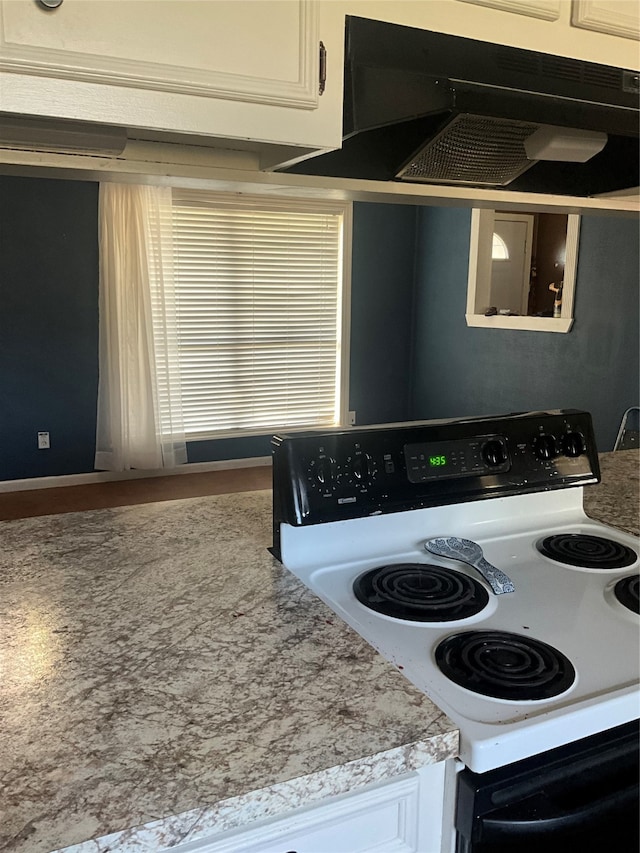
x: 546, y: 66
x: 473, y: 150
x: 610, y: 78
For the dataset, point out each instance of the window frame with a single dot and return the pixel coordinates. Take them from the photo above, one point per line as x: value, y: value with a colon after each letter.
x: 479, y: 277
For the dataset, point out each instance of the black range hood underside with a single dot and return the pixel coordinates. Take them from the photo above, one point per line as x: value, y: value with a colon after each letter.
x: 406, y: 87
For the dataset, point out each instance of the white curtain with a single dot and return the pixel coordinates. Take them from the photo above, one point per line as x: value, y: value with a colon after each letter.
x: 138, y: 340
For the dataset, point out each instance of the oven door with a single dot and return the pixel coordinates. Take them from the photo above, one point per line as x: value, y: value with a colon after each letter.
x: 583, y: 796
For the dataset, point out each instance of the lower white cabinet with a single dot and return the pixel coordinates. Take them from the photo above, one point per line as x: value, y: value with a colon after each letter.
x: 402, y: 815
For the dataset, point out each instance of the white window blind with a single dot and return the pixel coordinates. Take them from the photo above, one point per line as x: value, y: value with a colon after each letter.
x: 258, y: 289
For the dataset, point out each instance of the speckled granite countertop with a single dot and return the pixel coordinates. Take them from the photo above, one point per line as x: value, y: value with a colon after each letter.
x: 160, y: 670
x: 616, y: 499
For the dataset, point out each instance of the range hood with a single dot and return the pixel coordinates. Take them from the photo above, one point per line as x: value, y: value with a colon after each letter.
x: 433, y: 108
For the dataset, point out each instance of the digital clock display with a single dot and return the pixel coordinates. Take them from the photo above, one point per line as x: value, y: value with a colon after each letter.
x: 438, y: 461
x: 432, y: 461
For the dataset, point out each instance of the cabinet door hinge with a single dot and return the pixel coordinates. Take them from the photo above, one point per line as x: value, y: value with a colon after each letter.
x: 323, y: 68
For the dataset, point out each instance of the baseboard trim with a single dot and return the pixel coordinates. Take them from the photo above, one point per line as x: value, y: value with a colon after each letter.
x: 109, y: 476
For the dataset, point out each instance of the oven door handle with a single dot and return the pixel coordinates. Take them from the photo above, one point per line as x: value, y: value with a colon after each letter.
x: 554, y: 819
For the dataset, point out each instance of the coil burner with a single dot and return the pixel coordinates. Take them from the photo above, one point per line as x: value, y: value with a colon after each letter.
x: 504, y: 665
x: 420, y: 592
x: 585, y: 551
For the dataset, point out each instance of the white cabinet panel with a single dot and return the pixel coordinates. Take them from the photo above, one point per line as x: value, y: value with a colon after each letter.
x: 618, y: 17
x: 399, y: 816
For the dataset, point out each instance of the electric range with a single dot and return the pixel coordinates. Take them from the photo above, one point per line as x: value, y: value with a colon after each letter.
x: 521, y: 667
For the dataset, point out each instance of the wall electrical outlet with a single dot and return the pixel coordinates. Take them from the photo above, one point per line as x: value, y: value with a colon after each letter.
x: 352, y: 418
x: 43, y: 441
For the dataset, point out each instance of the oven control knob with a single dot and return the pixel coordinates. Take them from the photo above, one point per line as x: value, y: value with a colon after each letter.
x: 544, y: 446
x: 573, y: 444
x: 322, y: 472
x: 360, y: 469
x: 494, y: 453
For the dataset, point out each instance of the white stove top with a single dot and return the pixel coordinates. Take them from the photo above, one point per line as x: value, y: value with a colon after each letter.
x: 348, y: 502
x: 570, y: 608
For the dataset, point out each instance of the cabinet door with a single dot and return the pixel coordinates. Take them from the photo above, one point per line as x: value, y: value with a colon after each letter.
x: 222, y: 69
x: 618, y: 17
x: 263, y: 51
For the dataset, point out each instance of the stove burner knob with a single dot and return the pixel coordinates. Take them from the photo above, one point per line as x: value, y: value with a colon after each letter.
x: 322, y: 471
x: 544, y: 446
x: 358, y: 470
x: 361, y: 468
x: 494, y: 453
x: 573, y: 444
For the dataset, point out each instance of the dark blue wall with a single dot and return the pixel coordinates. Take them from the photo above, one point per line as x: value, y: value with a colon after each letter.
x: 467, y: 371
x: 381, y: 311
x: 48, y: 325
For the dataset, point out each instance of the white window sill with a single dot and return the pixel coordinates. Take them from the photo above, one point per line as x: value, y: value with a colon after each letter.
x: 531, y: 324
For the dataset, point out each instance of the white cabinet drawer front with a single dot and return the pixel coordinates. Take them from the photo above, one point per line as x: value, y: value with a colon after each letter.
x: 401, y: 816
x: 263, y: 51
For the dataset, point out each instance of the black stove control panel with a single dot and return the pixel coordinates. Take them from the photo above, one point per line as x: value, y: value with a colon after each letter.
x: 348, y: 473
x: 442, y: 460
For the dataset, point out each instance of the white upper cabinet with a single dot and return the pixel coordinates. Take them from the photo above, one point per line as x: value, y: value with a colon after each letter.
x: 602, y: 31
x: 230, y: 69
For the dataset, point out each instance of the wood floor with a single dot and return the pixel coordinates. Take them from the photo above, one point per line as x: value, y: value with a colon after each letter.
x: 28, y: 504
